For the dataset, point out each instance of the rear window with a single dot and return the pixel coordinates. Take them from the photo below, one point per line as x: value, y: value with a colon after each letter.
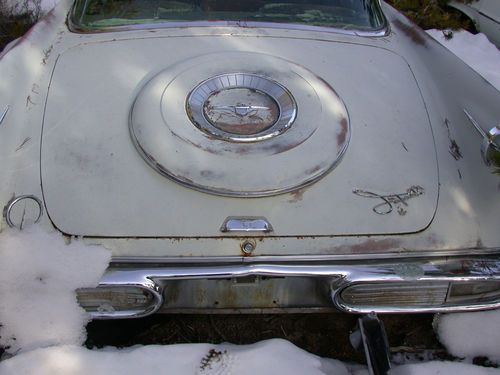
x: 364, y: 15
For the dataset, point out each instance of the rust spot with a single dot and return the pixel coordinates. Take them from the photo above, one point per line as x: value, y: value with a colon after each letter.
x: 412, y: 31
x: 247, y: 247
x: 296, y: 196
x: 375, y: 245
x: 341, y: 137
x: 211, y: 174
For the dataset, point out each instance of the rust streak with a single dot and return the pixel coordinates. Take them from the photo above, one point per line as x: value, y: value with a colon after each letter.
x: 375, y: 245
x: 296, y: 196
x: 341, y: 137
x: 411, y: 31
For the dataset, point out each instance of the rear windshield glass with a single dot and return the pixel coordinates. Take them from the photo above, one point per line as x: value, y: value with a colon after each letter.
x: 344, y: 14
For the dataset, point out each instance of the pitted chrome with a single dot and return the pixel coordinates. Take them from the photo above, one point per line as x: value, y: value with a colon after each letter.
x: 335, y: 278
x: 241, y: 107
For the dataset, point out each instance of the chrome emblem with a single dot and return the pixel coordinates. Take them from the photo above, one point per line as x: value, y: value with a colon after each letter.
x: 241, y: 107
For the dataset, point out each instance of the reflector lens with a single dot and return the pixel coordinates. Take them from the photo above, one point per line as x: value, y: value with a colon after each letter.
x: 404, y: 294
x: 113, y: 299
x: 474, y: 292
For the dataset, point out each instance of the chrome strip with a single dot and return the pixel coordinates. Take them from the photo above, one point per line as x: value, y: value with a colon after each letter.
x: 384, y: 31
x: 4, y: 113
x: 475, y: 123
x: 339, y: 276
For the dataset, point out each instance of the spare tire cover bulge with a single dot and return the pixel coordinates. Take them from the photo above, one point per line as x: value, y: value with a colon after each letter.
x: 239, y: 124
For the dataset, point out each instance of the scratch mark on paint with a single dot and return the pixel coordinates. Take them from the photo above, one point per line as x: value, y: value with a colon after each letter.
x: 454, y: 148
x: 26, y: 140
x: 29, y: 101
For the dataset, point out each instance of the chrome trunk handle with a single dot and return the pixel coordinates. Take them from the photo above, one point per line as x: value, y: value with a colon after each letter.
x: 246, y: 224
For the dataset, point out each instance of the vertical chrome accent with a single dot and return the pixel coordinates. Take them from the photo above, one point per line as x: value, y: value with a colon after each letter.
x: 475, y: 123
x: 4, y: 113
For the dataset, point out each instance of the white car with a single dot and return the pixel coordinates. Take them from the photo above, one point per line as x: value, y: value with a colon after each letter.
x: 255, y: 156
x: 485, y: 14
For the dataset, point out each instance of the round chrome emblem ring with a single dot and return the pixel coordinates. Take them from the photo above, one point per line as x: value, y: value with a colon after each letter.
x: 241, y: 107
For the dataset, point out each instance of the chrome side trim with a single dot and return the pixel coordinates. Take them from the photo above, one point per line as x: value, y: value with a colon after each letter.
x: 337, y: 276
x: 383, y: 31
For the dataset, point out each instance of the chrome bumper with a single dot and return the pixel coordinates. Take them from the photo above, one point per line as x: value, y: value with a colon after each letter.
x: 307, y: 286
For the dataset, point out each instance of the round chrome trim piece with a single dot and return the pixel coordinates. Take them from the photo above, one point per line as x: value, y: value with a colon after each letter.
x: 8, y: 210
x: 241, y: 107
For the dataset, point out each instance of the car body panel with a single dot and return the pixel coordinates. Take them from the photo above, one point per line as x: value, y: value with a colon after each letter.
x: 88, y: 159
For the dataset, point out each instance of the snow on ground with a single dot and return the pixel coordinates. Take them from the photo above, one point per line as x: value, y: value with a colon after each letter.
x: 475, y: 50
x: 271, y: 357
x: 471, y: 335
x: 443, y: 368
x: 38, y: 277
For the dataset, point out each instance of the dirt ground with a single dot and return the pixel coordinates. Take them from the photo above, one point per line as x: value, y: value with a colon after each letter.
x: 326, y: 335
